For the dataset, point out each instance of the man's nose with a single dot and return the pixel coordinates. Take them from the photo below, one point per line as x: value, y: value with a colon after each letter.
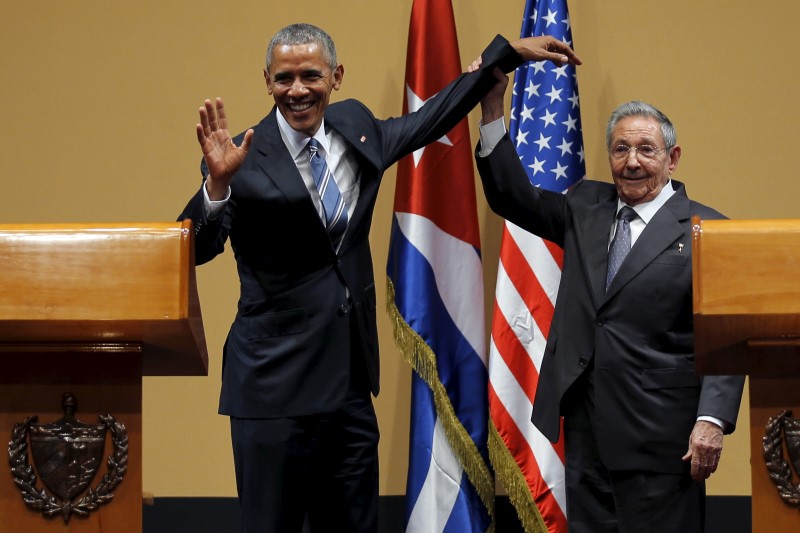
x: 632, y: 159
x: 297, y: 87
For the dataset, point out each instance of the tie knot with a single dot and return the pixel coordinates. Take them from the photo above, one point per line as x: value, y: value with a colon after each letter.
x: 627, y: 214
x: 313, y: 146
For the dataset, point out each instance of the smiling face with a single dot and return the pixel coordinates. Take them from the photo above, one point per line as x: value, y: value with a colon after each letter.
x: 301, y: 81
x: 637, y: 178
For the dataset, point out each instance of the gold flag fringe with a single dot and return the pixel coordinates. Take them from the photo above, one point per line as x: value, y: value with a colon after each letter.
x: 510, y: 475
x: 422, y: 359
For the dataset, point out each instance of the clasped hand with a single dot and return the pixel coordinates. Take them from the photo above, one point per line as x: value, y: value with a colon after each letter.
x: 539, y: 48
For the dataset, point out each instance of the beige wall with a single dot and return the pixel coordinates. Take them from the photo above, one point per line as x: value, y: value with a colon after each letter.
x: 99, y: 102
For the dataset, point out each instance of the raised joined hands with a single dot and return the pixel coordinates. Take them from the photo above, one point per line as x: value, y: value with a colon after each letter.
x: 545, y: 48
x: 539, y: 48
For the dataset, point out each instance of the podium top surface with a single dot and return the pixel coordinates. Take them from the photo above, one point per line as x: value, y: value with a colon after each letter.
x: 746, y: 267
x: 112, y: 283
x: 746, y: 297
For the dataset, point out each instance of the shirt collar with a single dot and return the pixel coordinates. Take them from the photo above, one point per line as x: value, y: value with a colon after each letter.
x: 647, y: 210
x: 296, y: 141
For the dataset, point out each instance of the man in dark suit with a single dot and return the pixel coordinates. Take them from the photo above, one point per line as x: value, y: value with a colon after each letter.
x: 301, y: 358
x: 642, y: 430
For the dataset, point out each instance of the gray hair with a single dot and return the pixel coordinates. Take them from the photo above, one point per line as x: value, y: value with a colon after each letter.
x: 303, y: 34
x: 637, y: 108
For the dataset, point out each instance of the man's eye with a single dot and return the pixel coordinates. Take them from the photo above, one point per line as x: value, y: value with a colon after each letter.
x: 646, y: 150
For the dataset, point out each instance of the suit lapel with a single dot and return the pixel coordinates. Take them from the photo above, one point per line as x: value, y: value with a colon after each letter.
x: 661, y: 232
x: 365, y: 146
x: 276, y: 162
x: 592, y: 231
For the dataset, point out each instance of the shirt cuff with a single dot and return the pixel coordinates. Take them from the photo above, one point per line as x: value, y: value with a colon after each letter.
x: 713, y: 420
x: 491, y: 134
x: 214, y: 208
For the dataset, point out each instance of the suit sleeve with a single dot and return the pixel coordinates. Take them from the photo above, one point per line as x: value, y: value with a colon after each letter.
x: 403, y: 135
x: 510, y: 194
x: 210, y: 234
x: 720, y: 397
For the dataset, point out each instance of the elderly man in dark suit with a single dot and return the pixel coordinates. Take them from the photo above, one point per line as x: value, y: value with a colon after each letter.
x: 295, y: 196
x: 642, y: 430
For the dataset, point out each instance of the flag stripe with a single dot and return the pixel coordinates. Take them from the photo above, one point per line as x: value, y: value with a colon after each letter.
x: 529, y: 463
x: 538, y: 255
x: 523, y: 277
x: 522, y: 363
x: 535, y: 455
x: 437, y: 496
x: 452, y: 261
x: 514, y: 401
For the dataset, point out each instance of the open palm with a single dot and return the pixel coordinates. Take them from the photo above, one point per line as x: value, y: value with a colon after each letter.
x: 222, y: 156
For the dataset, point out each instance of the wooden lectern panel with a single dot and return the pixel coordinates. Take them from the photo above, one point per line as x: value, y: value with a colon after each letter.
x: 111, y: 283
x: 747, y: 322
x: 747, y: 296
x: 89, y: 310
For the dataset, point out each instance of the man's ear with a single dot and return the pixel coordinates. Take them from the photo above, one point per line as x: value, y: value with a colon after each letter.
x: 674, y: 157
x: 267, y: 81
x: 338, y: 76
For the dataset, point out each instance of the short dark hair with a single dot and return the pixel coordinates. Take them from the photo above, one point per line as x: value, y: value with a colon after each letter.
x: 302, y: 33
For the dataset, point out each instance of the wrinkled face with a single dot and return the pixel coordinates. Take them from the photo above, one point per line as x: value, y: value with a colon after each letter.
x: 300, y: 81
x: 639, y: 179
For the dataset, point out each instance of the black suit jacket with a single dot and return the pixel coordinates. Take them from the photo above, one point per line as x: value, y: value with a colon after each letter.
x: 638, y: 335
x: 304, y: 308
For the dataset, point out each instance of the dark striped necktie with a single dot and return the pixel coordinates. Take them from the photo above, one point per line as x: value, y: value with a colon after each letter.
x: 332, y: 201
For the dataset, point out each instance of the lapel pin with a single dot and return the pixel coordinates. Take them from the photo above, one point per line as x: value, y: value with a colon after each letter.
x: 363, y: 138
x: 680, y: 247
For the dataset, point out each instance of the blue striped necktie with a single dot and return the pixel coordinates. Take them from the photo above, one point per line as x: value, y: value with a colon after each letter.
x: 333, y: 203
x: 621, y: 244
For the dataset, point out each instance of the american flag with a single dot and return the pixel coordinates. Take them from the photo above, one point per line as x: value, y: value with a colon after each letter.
x: 545, y: 127
x: 435, y: 300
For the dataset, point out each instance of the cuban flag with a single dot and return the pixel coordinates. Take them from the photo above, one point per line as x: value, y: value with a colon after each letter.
x: 435, y: 299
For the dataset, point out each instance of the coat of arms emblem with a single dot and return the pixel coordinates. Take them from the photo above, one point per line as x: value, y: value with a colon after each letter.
x: 783, y: 430
x: 67, y: 454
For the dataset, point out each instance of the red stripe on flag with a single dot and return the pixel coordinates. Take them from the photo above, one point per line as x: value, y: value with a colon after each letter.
x: 520, y: 449
x: 524, y: 279
x: 513, y: 353
x: 556, y: 251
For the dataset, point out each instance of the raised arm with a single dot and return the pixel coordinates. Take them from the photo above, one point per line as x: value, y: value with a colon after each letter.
x: 540, y: 48
x: 492, y: 105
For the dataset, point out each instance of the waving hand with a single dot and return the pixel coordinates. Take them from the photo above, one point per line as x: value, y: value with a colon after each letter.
x: 222, y: 156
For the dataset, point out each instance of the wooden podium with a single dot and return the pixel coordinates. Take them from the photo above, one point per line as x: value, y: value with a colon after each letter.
x: 89, y: 310
x: 746, y: 276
